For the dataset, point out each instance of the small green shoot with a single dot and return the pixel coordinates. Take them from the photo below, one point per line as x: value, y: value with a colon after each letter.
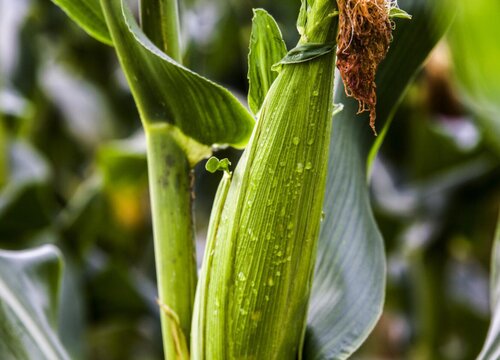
x: 213, y: 164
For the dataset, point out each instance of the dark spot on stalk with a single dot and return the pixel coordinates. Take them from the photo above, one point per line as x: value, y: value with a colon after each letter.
x: 163, y: 180
x: 170, y: 161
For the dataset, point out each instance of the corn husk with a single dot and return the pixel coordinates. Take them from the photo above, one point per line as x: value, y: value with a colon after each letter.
x: 253, y: 294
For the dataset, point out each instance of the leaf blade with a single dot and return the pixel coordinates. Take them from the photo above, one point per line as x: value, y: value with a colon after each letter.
x: 89, y: 16
x: 168, y: 92
x: 266, y: 49
x: 28, y: 299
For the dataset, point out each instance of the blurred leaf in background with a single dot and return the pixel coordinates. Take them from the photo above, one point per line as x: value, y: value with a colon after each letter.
x: 29, y: 296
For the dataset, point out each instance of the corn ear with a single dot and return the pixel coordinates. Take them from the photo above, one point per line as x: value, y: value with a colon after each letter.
x: 259, y: 265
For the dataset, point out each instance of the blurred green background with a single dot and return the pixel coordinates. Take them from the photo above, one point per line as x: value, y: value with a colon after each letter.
x: 73, y: 173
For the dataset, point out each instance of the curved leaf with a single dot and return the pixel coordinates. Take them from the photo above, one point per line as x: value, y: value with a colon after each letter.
x: 89, y: 16
x: 165, y: 91
x: 29, y: 287
x: 305, y: 52
x: 266, y: 49
x: 491, y: 348
x: 349, y: 284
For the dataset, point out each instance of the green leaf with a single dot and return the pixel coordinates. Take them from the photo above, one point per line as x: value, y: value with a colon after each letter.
x: 302, y: 18
x: 29, y: 287
x: 398, y: 13
x: 349, y: 283
x: 491, y: 348
x: 475, y: 49
x: 266, y: 49
x: 85, y: 112
x: 165, y: 91
x: 304, y: 52
x: 198, y: 339
x: 89, y: 16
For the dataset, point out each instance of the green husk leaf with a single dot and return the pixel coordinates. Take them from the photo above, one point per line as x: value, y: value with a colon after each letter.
x: 303, y: 53
x: 266, y: 48
x: 491, y: 348
x: 398, y: 13
x: 349, y: 283
x: 165, y: 91
x: 268, y: 214
x: 198, y: 339
x: 29, y: 288
x: 302, y: 18
x: 89, y: 16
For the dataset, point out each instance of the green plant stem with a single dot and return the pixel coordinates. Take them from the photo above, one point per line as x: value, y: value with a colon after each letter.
x: 170, y: 178
x: 160, y: 22
x: 170, y: 190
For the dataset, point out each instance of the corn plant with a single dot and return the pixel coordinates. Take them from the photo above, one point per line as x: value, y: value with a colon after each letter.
x: 294, y: 265
x: 258, y: 272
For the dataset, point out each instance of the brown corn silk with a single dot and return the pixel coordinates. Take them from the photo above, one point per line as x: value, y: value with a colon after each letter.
x: 365, y: 32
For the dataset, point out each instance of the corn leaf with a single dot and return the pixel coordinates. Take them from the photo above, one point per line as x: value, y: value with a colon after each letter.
x: 349, y: 284
x: 165, y: 91
x: 29, y: 287
x: 266, y: 49
x: 475, y: 49
x: 89, y: 16
x: 305, y: 52
x: 491, y: 349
